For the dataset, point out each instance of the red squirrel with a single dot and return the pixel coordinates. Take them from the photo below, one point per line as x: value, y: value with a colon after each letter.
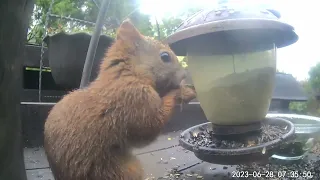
x: 90, y: 132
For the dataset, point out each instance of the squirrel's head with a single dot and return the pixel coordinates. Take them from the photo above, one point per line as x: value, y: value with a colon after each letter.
x: 146, y: 58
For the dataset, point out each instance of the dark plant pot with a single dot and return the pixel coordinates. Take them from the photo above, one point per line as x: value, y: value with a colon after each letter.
x: 67, y: 54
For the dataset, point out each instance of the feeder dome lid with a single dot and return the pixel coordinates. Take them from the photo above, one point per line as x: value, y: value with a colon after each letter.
x: 263, y: 25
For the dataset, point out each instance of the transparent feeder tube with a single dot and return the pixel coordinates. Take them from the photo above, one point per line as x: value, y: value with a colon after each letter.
x: 234, y: 89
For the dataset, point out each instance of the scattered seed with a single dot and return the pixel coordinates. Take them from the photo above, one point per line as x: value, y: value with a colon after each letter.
x: 175, y: 168
x: 194, y: 134
x: 251, y: 143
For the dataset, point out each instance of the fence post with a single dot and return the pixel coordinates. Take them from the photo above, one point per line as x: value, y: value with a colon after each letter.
x: 14, y: 22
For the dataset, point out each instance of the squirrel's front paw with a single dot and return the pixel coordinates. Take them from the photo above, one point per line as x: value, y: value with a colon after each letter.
x: 187, y: 93
x: 184, y: 94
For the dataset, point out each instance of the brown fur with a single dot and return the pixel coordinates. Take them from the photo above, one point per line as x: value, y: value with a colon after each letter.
x: 89, y: 134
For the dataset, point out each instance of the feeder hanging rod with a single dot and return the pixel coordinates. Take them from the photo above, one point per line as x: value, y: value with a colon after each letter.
x: 86, y: 73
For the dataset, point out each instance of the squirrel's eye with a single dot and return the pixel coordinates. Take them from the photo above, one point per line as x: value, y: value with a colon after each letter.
x: 165, y: 57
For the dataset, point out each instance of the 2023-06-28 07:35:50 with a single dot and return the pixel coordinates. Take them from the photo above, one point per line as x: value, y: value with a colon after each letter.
x: 272, y: 174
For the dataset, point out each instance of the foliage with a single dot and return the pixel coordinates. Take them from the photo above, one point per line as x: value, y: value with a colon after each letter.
x: 167, y: 27
x: 84, y: 10
x: 170, y: 24
x: 87, y: 10
x: 314, y: 80
x: 312, y: 88
x: 301, y: 107
x: 182, y: 60
x: 298, y: 107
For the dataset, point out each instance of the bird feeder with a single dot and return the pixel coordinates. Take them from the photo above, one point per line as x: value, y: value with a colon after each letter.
x: 231, y: 55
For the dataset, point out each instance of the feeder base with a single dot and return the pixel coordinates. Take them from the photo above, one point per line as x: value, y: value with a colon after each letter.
x: 243, y: 155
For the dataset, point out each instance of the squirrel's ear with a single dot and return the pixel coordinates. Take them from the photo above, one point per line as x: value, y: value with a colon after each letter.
x: 127, y: 32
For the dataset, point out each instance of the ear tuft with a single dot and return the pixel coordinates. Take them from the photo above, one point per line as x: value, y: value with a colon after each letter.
x: 128, y: 32
x: 127, y: 24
